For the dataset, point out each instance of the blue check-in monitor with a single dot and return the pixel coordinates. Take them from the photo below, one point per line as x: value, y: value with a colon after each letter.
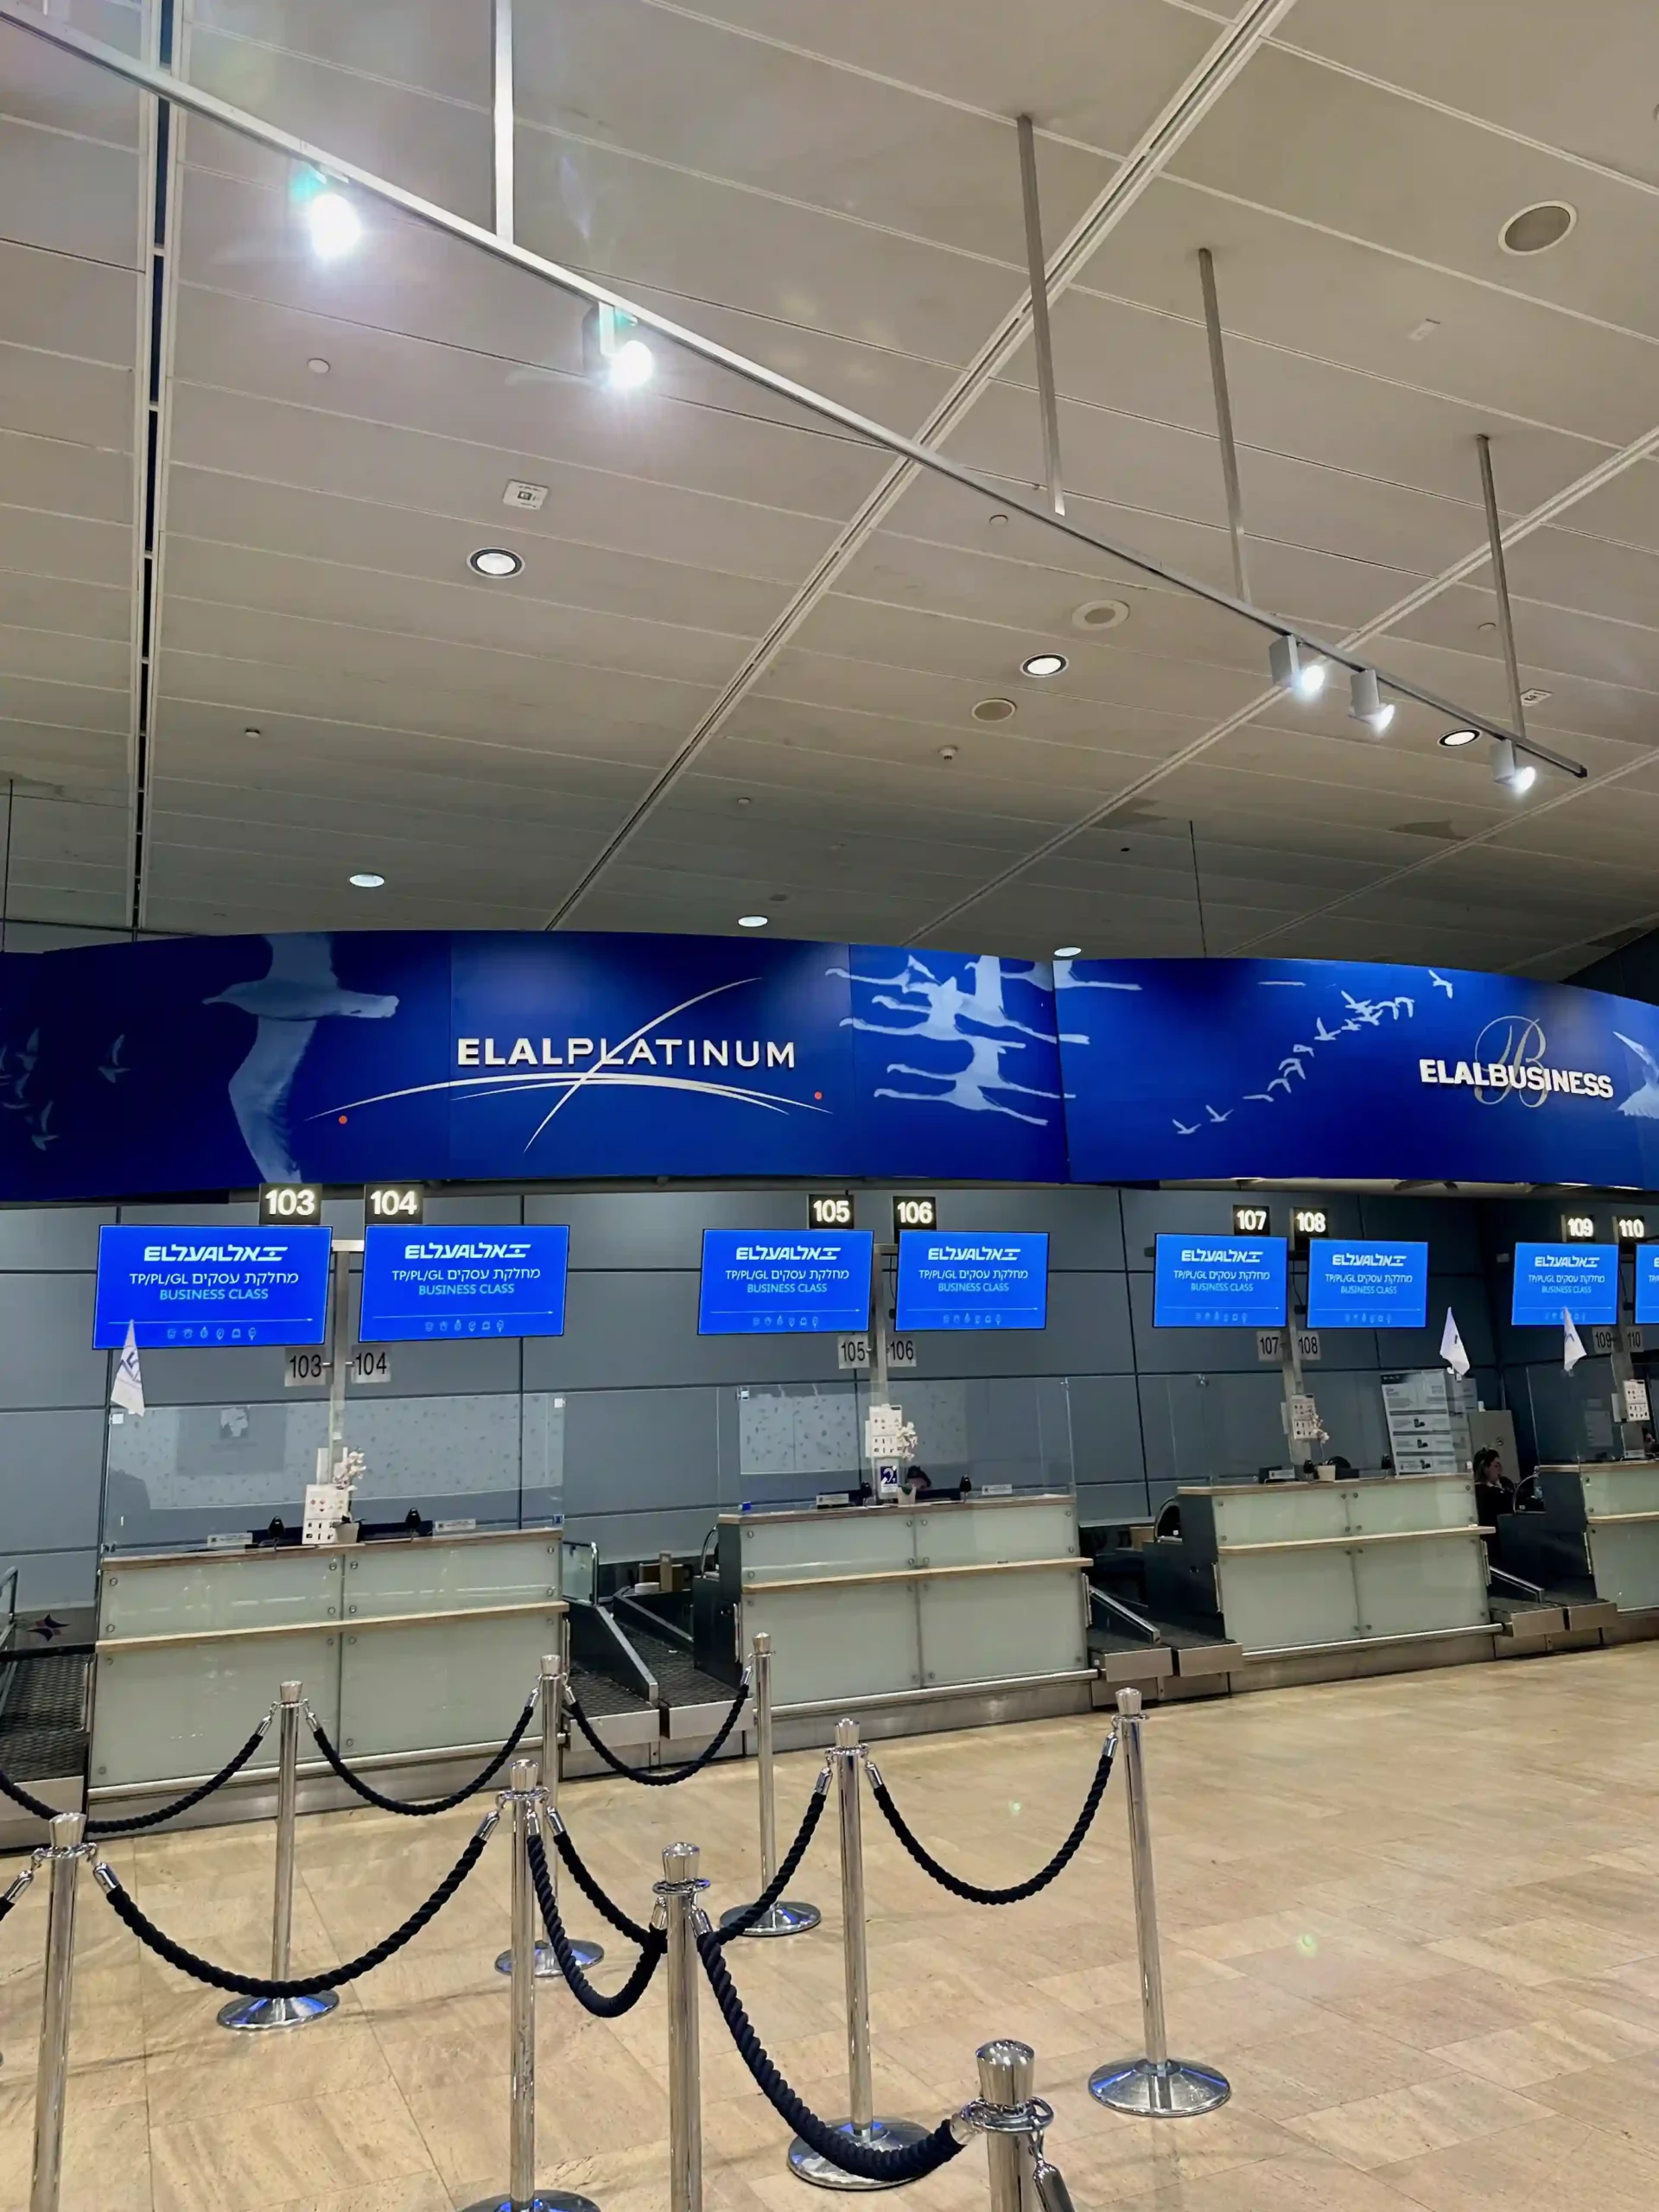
x: 981, y: 1281
x: 1553, y: 1280
x: 211, y: 1285
x: 773, y: 1282
x: 1218, y: 1282
x: 441, y: 1283
x: 1647, y: 1282
x: 1357, y: 1286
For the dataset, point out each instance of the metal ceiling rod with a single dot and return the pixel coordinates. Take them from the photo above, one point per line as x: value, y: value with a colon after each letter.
x: 165, y: 85
x: 1037, y: 271
x: 1223, y: 420
x: 1500, y: 582
x: 501, y: 114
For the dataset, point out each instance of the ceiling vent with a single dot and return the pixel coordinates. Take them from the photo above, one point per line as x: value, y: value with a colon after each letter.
x: 994, y: 710
x: 1534, y: 230
x: 1099, y: 614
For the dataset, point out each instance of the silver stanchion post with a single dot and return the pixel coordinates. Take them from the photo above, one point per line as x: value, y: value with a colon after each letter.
x: 257, y: 2013
x: 1013, y: 2121
x: 550, y: 1691
x: 522, y: 1800
x: 679, y: 1890
x: 784, y: 1918
x: 862, y: 2126
x: 51, y: 2069
x: 1156, y: 2087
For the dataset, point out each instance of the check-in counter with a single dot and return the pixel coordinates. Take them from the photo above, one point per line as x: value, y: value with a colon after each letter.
x: 412, y: 1646
x: 1603, y: 1520
x: 1303, y: 1566
x: 877, y: 1602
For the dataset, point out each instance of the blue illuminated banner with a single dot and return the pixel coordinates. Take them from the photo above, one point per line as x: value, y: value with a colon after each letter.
x: 972, y: 1282
x: 1647, y: 1282
x: 1219, y: 1282
x: 766, y: 1282
x: 463, y: 1282
x: 1553, y: 1280
x: 213, y: 1286
x: 1366, y: 1286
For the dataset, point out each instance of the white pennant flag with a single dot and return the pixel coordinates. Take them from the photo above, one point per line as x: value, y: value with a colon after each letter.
x: 127, y: 1391
x: 1572, y: 1344
x: 1451, y: 1350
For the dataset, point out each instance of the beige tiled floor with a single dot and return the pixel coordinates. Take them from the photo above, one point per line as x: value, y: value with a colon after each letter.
x: 1415, y: 1920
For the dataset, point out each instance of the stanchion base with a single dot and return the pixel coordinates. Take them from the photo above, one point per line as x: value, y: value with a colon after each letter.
x: 784, y: 1918
x: 547, y: 1964
x: 1177, y: 2089
x: 545, y: 2200
x: 806, y: 2165
x: 255, y: 2014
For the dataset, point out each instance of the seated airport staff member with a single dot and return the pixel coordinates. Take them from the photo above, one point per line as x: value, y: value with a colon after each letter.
x: 1494, y: 1491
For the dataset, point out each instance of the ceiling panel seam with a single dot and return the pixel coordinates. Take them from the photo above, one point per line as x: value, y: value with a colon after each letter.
x: 1615, y: 466
x: 1179, y: 116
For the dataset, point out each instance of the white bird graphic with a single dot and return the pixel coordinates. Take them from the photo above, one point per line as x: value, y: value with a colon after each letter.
x: 43, y: 1136
x: 1265, y: 1097
x: 1308, y: 1049
x: 1188, y: 1128
x: 1325, y: 1036
x: 114, y: 1067
x: 1643, y: 1104
x: 1440, y: 984
x: 1214, y: 1116
x: 1293, y: 1067
x: 299, y: 990
x: 1281, y: 1083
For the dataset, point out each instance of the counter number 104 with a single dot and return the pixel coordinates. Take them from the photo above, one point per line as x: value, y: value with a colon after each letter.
x: 404, y: 1203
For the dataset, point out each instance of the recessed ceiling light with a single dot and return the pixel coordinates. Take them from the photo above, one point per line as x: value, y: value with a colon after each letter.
x: 745, y: 802
x: 1043, y: 664
x: 753, y: 921
x: 1067, y: 952
x: 997, y: 520
x: 995, y: 710
x: 251, y: 732
x: 335, y: 225
x: 1099, y: 614
x: 317, y: 366
x: 494, y: 561
x: 1456, y: 737
x: 368, y: 881
x: 1534, y: 230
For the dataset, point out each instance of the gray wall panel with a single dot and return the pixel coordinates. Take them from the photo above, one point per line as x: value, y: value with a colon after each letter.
x: 1088, y: 1333
x: 51, y: 1473
x: 1106, y: 1431
x: 629, y: 1329
x: 658, y: 1229
x: 46, y: 1339
x: 637, y: 1451
x: 49, y: 1238
x: 48, y: 1581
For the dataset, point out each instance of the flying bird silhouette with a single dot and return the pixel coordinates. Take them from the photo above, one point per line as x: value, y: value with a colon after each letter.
x: 1188, y: 1128
x: 1214, y: 1116
x: 299, y: 990
x: 1308, y: 1049
x: 1293, y: 1067
x: 1281, y: 1083
x: 1326, y: 1036
x: 1643, y: 1104
x: 114, y: 1067
x: 42, y: 1135
x: 1265, y: 1097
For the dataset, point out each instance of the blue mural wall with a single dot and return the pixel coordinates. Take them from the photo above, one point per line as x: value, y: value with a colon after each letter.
x: 213, y: 1063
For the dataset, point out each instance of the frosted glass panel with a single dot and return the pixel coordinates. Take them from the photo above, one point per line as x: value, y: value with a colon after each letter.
x: 781, y: 1443
x: 182, y: 1710
x: 1411, y: 1589
x: 1278, y: 1598
x: 987, y: 1628
x: 1625, y: 1562
x: 184, y: 1472
x: 420, y: 1689
x: 393, y: 1579
x: 838, y: 1643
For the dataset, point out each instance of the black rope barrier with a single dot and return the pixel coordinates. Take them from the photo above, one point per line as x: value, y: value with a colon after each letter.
x: 234, y: 1764
x: 786, y: 1873
x: 314, y: 1985
x: 973, y: 1891
x: 19, y: 1795
x: 654, y: 1943
x: 913, y: 2163
x: 661, y: 1777
x: 590, y: 1888
x: 422, y: 1808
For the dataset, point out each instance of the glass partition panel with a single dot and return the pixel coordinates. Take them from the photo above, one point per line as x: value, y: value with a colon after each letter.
x: 785, y: 1444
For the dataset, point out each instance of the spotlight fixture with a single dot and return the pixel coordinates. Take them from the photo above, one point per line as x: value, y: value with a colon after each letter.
x: 753, y: 921
x: 494, y: 561
x: 1453, y: 738
x: 335, y: 223
x: 1520, y: 777
x: 368, y: 881
x: 1043, y: 664
x: 1291, y: 672
x: 1067, y: 952
x: 1365, y: 704
x: 611, y: 353
x: 318, y: 366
